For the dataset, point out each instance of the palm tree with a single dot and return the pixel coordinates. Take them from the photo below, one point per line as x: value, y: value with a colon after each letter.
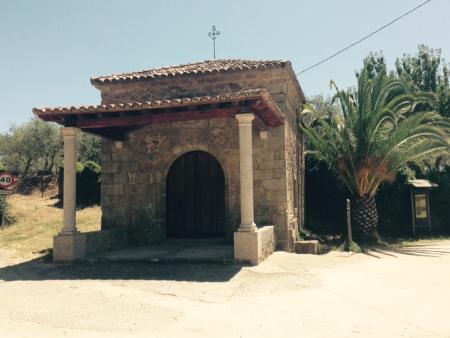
x: 383, y: 128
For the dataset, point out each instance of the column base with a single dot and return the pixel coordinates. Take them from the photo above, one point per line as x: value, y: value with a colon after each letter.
x: 69, y: 247
x: 254, y: 246
x: 247, y: 228
x: 68, y: 232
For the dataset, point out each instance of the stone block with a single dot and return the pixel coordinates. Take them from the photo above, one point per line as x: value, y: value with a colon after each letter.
x: 107, y: 167
x: 279, y: 173
x: 107, y: 189
x: 280, y: 155
x: 191, y: 124
x: 105, y: 240
x: 275, y: 184
x: 121, y: 178
x: 111, y: 167
x: 254, y: 247
x: 118, y: 189
x: 130, y: 166
x: 105, y: 157
x: 117, y: 156
x: 307, y: 247
x: 219, y: 122
x: 107, y: 179
x: 96, y: 242
x: 142, y: 178
x: 106, y: 201
x: 69, y: 247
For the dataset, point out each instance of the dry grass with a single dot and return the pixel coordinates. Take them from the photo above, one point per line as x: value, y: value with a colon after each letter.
x: 37, y: 221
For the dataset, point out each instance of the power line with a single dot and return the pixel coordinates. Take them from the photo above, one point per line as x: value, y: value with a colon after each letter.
x: 364, y: 38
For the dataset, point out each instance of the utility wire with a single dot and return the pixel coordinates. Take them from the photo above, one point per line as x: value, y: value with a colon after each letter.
x: 364, y: 38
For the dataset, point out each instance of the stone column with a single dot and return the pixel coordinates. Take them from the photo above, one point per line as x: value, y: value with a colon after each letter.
x: 246, y: 171
x: 70, y: 159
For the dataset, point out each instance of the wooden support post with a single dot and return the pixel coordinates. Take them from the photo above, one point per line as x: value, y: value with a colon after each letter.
x: 349, y: 224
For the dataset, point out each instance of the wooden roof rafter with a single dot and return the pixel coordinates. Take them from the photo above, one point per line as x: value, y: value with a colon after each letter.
x: 115, y: 120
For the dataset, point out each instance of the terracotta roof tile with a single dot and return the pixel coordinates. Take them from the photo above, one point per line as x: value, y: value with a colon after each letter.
x: 166, y: 103
x: 204, y: 67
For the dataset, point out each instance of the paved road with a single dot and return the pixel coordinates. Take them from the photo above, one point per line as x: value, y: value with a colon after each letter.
x: 403, y: 293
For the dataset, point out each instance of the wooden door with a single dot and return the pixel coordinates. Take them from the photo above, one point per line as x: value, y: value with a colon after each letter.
x: 195, y: 195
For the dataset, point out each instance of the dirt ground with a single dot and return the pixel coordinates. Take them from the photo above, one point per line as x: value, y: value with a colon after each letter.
x: 396, y: 293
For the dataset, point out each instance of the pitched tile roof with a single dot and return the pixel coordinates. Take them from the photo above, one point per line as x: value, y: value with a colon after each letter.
x: 258, y: 99
x: 204, y: 67
x: 165, y: 103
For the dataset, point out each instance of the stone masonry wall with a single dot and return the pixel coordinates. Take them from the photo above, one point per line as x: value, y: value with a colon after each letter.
x: 274, y: 80
x: 134, y: 171
x: 294, y: 168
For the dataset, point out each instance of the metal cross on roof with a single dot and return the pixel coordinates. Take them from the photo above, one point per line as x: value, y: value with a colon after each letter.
x: 213, y: 34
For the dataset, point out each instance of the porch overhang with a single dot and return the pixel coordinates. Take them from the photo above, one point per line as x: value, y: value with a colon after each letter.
x: 117, y: 119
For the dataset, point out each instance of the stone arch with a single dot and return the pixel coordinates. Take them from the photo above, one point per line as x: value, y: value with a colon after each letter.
x: 195, y: 196
x: 178, y: 151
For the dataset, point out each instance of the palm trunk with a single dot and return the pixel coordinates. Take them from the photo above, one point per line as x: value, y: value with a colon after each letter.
x: 364, y: 217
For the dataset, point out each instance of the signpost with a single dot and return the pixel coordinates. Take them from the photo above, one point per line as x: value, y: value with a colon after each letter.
x: 7, y: 181
x: 420, y: 204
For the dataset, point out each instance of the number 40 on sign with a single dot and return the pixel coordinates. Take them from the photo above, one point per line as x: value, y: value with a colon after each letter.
x: 7, y: 180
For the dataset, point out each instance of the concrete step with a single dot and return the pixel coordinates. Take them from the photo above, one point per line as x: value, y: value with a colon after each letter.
x: 170, y: 253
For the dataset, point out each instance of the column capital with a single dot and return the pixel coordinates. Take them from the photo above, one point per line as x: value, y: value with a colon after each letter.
x: 245, y: 118
x: 69, y: 131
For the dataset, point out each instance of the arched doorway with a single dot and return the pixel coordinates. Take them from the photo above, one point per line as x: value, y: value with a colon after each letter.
x: 195, y: 197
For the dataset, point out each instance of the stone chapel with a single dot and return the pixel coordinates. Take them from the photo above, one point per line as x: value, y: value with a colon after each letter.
x: 202, y: 150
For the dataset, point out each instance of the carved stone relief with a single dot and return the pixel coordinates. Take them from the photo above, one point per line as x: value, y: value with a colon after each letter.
x: 132, y: 178
x: 153, y: 143
x: 217, y: 136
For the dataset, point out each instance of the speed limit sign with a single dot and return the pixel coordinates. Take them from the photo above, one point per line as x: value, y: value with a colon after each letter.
x: 7, y: 180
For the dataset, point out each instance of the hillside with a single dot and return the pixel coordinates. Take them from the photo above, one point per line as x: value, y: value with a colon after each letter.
x: 37, y: 221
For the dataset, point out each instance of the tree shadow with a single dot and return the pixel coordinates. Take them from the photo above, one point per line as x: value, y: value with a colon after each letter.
x: 41, y: 269
x: 420, y: 250
x: 30, y: 184
x: 59, y: 203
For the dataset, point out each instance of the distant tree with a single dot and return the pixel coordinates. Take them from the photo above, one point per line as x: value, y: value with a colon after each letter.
x: 37, y: 146
x: 425, y: 71
x: 429, y: 72
x: 375, y: 64
x: 30, y: 147
x: 325, y: 105
x: 89, y: 148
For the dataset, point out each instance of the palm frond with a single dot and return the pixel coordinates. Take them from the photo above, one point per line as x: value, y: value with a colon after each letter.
x: 384, y: 127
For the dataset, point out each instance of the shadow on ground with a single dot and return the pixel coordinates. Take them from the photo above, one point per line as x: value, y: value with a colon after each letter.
x: 423, y: 250
x: 40, y: 269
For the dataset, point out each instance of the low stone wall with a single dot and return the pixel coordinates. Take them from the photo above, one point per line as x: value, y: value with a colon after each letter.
x: 105, y: 240
x: 307, y: 247
x: 73, y: 247
x: 254, y: 247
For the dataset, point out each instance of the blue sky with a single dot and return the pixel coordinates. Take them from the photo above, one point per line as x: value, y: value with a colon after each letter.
x: 50, y: 49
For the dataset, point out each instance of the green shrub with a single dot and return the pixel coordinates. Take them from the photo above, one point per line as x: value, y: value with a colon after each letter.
x: 88, y: 183
x: 394, y: 207
x: 324, y: 199
x: 440, y: 200
x: 4, y: 211
x: 325, y: 202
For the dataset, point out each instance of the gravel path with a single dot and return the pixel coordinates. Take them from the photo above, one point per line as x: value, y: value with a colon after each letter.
x: 403, y: 293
